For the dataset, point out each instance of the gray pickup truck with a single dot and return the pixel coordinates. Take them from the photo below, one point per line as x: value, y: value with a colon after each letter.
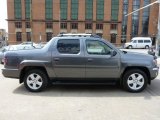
x: 80, y: 59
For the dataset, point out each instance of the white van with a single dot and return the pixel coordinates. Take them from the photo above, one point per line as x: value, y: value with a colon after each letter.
x: 139, y: 42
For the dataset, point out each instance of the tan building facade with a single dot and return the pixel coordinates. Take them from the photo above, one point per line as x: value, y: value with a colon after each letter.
x: 39, y: 20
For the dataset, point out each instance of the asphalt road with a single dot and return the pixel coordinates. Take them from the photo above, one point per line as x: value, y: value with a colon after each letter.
x: 78, y: 102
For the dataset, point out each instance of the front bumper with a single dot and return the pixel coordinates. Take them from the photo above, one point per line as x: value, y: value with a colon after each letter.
x: 126, y: 45
x: 154, y: 72
x: 10, y: 73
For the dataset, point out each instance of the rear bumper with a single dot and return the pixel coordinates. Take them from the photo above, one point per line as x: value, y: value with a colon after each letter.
x: 11, y: 73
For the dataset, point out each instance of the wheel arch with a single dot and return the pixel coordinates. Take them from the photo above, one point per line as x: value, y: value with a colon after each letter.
x: 144, y: 69
x: 27, y: 68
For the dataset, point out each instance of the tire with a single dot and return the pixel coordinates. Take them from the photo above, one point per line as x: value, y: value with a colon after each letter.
x: 135, y: 80
x: 130, y: 47
x: 35, y: 80
x: 146, y: 47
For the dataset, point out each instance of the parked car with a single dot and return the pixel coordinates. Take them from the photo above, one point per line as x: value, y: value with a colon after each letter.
x: 80, y: 59
x: 139, y: 42
x: 2, y: 51
x: 40, y: 45
x: 13, y: 48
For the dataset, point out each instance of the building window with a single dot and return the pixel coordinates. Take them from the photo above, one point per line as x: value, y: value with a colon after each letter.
x: 124, y: 20
x: 28, y: 25
x: 145, y: 18
x: 74, y: 25
x: 114, y: 10
x: 49, y: 25
x: 18, y: 25
x: 28, y: 36
x: 89, y: 9
x: 63, y: 25
x: 113, y: 38
x: 74, y: 10
x: 99, y: 26
x: 135, y: 18
x: 48, y: 36
x: 113, y: 26
x: 17, y: 9
x: 100, y: 9
x: 19, y: 36
x: 49, y: 9
x: 63, y: 9
x: 28, y: 9
x: 88, y: 26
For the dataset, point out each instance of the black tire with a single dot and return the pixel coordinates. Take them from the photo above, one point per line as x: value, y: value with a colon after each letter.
x: 35, y: 80
x: 130, y: 47
x: 146, y: 47
x: 135, y: 80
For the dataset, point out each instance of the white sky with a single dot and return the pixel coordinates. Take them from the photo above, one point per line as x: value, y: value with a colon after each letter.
x: 3, y: 15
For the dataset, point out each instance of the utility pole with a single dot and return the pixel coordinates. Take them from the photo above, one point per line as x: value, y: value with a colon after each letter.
x: 31, y: 20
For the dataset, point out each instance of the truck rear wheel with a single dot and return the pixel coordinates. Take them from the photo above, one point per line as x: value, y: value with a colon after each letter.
x: 35, y: 80
x: 135, y: 80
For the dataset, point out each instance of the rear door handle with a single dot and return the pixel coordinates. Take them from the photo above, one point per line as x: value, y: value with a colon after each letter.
x: 56, y: 59
x: 90, y: 60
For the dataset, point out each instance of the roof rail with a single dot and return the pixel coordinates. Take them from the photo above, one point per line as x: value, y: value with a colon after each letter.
x: 78, y: 35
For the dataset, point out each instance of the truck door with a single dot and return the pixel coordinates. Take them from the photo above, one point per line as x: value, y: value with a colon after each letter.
x: 68, y: 60
x: 99, y: 63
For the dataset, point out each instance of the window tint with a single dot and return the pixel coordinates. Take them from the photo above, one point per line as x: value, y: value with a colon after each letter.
x: 140, y: 41
x: 68, y: 46
x: 147, y: 41
x: 97, y: 47
x: 135, y: 41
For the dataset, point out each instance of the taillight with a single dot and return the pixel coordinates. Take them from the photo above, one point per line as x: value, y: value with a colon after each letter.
x: 5, y: 60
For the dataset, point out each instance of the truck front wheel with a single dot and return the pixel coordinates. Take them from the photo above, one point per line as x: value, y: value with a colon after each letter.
x: 35, y: 80
x: 135, y: 80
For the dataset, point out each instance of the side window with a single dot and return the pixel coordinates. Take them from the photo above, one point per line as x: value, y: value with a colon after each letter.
x: 140, y: 41
x: 68, y: 46
x: 135, y: 41
x: 147, y: 41
x: 97, y: 47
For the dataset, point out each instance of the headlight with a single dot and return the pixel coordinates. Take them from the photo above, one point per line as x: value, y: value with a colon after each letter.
x: 155, y: 62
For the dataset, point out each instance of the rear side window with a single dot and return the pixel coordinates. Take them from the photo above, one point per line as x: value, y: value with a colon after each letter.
x: 68, y: 46
x: 147, y: 41
x: 140, y: 41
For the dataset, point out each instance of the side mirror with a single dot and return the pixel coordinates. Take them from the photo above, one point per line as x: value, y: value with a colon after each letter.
x: 113, y: 53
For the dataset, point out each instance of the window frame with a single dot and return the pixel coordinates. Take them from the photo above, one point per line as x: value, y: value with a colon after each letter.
x: 70, y: 53
x: 49, y: 9
x: 17, y: 9
x: 18, y: 36
x: 104, y: 44
x: 49, y: 25
x: 18, y: 24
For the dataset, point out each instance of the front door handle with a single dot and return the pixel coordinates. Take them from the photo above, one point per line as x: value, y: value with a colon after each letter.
x: 56, y: 59
x: 90, y: 60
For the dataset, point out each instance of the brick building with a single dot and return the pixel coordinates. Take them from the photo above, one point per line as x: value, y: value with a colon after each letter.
x: 39, y: 20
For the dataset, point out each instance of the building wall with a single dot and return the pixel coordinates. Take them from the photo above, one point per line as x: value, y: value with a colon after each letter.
x: 38, y: 26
